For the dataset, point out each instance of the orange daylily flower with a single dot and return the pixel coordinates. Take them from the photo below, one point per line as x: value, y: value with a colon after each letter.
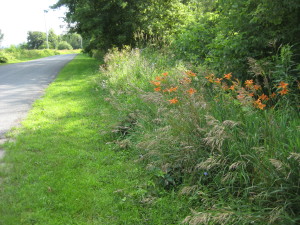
x: 283, y: 85
x: 259, y: 104
x: 192, y: 91
x: 228, y: 76
x: 210, y: 78
x: 218, y: 80
x: 160, y: 78
x: 165, y: 74
x: 257, y: 87
x: 170, y: 89
x: 190, y: 73
x: 231, y: 87
x: 264, y: 97
x: 283, y: 91
x: 173, y: 101
x: 249, y: 82
x: 156, y: 83
x: 251, y: 94
x: 157, y: 89
x: 273, y: 95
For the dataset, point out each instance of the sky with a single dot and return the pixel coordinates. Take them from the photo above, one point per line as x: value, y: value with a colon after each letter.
x: 17, y: 17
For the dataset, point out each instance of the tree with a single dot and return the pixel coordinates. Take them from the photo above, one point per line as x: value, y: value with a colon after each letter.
x: 73, y: 39
x: 1, y: 36
x: 109, y: 23
x: 52, y: 39
x: 36, y: 39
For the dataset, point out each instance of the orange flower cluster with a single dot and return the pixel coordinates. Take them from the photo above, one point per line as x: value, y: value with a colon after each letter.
x: 190, y: 73
x: 171, y: 89
x: 259, y: 104
x: 249, y: 91
x: 173, y: 101
x: 283, y: 88
x: 191, y: 91
x: 228, y: 76
x: 160, y: 84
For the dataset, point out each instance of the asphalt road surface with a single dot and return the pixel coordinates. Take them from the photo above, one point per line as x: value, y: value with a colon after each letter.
x: 22, y: 83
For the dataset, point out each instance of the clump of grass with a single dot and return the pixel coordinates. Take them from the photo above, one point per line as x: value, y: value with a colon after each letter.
x: 218, y: 141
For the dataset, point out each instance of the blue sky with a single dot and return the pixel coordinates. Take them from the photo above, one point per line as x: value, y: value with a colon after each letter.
x: 17, y: 17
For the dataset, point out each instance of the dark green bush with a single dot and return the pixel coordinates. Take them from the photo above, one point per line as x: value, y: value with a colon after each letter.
x: 3, y: 59
x: 64, y: 45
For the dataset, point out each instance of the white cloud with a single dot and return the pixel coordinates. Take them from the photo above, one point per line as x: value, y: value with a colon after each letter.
x: 17, y: 17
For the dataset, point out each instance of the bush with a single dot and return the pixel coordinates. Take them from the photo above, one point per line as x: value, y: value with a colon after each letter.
x: 64, y: 46
x: 3, y: 59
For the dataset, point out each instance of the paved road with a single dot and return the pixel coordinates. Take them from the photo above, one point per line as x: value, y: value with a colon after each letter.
x: 22, y: 83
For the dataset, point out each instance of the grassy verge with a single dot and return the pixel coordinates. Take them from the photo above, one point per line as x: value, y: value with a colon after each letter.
x: 17, y: 55
x: 231, y: 147
x: 62, y: 170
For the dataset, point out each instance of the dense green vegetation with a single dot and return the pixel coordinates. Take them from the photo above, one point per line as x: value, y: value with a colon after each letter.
x: 231, y: 150
x: 38, y: 40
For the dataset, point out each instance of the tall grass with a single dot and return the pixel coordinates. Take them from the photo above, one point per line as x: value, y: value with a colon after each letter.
x: 215, y: 140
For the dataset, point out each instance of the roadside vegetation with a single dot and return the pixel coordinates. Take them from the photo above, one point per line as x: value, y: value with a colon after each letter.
x: 197, y: 103
x: 227, y: 146
x: 15, y: 54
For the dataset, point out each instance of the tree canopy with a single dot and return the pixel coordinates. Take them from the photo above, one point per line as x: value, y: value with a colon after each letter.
x: 221, y: 33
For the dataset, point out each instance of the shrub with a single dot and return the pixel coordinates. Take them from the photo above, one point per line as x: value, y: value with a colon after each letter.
x: 64, y: 45
x: 3, y: 59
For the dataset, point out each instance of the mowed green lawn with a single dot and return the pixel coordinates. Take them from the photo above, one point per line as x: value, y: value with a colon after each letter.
x: 61, y: 169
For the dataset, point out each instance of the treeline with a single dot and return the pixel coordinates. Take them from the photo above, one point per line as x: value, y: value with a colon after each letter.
x: 225, y: 35
x: 39, y: 40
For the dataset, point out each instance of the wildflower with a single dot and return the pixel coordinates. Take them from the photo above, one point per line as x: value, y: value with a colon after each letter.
x: 205, y: 173
x: 231, y: 87
x: 257, y: 87
x: 273, y: 95
x: 210, y: 78
x: 157, y: 89
x: 248, y: 83
x: 172, y: 89
x: 156, y: 83
x: 228, y: 76
x: 160, y: 78
x: 259, y: 104
x: 165, y: 74
x: 263, y: 97
x: 191, y: 91
x: 283, y: 91
x: 173, y: 101
x: 190, y: 73
x: 218, y: 80
x: 251, y: 94
x: 283, y: 85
